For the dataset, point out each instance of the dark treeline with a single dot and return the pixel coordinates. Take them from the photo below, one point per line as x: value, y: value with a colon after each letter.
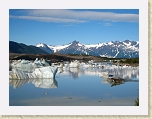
x: 68, y: 57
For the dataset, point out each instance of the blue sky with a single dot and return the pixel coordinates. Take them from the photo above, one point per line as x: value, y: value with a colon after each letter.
x: 62, y: 26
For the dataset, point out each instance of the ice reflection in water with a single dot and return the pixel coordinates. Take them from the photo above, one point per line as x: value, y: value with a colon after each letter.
x: 78, y: 87
x: 39, y: 83
x: 127, y: 73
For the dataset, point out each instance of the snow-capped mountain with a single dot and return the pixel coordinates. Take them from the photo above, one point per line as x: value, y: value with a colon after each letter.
x: 45, y: 48
x: 117, y: 49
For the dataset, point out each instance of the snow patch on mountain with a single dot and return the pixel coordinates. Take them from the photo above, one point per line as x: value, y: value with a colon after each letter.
x: 59, y: 47
x: 40, y: 45
x: 80, y: 45
x: 95, y: 45
x: 110, y: 43
x: 116, y: 53
x: 45, y: 48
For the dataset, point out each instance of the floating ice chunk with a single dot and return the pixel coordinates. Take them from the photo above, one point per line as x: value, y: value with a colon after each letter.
x: 38, y: 62
x: 29, y: 66
x: 44, y: 72
x: 45, y: 63
x: 74, y: 64
x: 25, y: 61
x: 17, y: 74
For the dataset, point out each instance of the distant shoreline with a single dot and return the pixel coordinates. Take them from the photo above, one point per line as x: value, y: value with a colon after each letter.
x: 56, y: 57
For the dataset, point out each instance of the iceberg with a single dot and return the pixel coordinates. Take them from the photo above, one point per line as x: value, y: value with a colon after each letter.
x: 74, y: 64
x: 45, y: 72
x: 45, y: 63
x: 29, y: 66
x: 42, y: 62
x: 42, y: 72
x: 17, y: 74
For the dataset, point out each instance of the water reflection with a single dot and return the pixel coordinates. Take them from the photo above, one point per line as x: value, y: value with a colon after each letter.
x: 16, y: 83
x: 74, y: 72
x: 45, y: 83
x: 123, y: 72
x: 129, y: 74
x: 78, y: 87
x: 113, y: 83
x: 39, y: 83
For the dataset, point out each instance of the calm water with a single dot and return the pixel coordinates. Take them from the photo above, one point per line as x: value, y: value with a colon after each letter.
x: 77, y: 87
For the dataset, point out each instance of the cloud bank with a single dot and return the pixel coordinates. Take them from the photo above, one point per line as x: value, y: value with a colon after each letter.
x: 74, y: 16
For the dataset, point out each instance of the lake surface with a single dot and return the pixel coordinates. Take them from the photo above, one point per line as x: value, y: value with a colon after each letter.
x: 77, y: 87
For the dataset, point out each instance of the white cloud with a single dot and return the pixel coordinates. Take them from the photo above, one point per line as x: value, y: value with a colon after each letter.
x: 48, y: 19
x: 78, y: 16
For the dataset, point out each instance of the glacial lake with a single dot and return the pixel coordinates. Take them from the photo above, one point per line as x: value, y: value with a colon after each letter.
x: 77, y: 87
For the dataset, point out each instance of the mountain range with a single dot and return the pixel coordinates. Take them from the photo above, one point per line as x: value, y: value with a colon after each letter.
x: 117, y: 49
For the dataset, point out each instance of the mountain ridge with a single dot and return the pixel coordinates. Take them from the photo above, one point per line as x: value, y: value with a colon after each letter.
x: 113, y: 49
x: 15, y: 47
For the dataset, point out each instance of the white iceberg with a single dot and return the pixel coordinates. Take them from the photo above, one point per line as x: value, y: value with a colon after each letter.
x: 43, y: 72
x: 74, y: 64
x: 29, y: 66
x: 42, y: 62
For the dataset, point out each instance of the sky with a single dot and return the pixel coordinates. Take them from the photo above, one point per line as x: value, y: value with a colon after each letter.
x: 62, y: 26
